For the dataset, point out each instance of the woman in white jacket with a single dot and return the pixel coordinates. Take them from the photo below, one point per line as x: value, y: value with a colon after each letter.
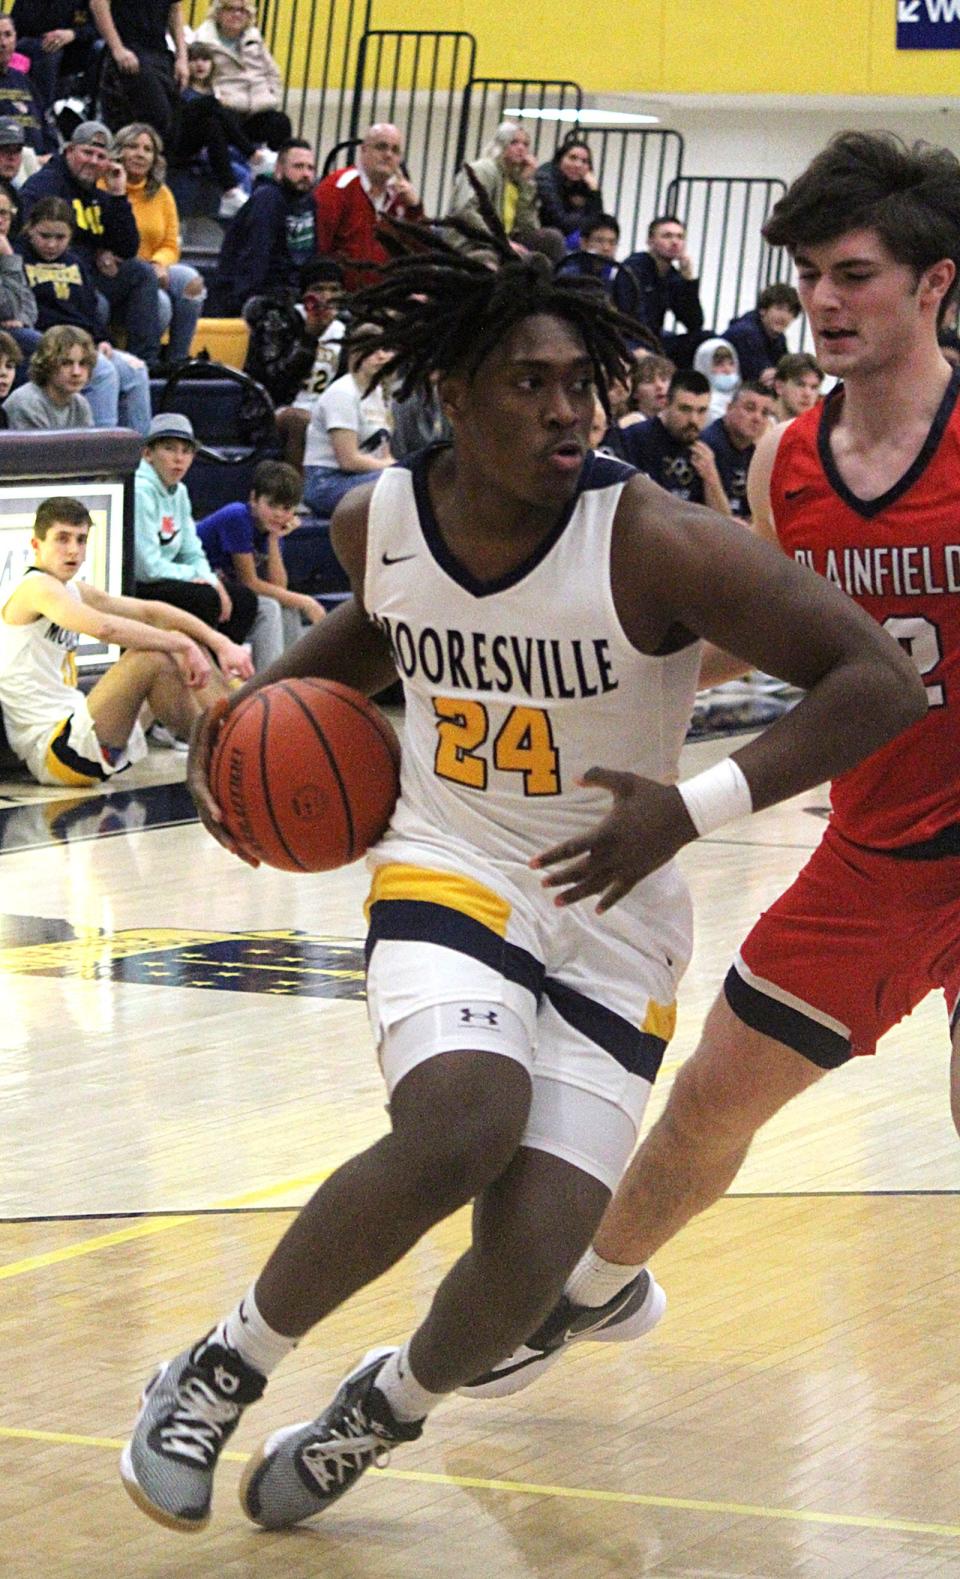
x: 246, y: 77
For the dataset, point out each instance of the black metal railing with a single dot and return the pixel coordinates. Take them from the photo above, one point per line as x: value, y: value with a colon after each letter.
x: 414, y: 80
x: 489, y: 100
x: 724, y: 216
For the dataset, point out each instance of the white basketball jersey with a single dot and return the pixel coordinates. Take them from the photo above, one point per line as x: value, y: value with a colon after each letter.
x: 38, y: 676
x: 514, y: 688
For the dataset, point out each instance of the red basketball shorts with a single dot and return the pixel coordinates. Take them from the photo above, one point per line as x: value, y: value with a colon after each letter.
x: 851, y: 947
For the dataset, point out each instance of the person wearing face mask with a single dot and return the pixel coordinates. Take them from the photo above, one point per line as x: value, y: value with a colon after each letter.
x: 717, y: 361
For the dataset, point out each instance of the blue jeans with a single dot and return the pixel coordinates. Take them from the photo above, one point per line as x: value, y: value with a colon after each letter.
x: 325, y: 486
x: 133, y: 297
x: 178, y: 312
x: 119, y: 393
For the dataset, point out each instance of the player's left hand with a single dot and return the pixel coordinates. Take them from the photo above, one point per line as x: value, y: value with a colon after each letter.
x: 647, y: 824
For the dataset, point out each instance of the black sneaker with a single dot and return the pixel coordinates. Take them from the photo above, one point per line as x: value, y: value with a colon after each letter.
x: 188, y: 1411
x: 301, y: 1469
x: 631, y: 1313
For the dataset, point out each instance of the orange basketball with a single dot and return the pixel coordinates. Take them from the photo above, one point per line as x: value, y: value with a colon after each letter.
x: 306, y: 774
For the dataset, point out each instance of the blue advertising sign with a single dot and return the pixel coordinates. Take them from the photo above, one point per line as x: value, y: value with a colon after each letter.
x: 928, y: 24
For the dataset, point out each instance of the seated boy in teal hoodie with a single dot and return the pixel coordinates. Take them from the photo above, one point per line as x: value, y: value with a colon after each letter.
x: 170, y: 565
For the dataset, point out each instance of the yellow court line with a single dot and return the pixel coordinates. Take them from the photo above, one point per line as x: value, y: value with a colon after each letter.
x: 156, y: 1225
x: 526, y: 1488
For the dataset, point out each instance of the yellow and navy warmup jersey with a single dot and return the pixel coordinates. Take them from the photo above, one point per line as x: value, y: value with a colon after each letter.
x: 514, y: 688
x: 38, y: 677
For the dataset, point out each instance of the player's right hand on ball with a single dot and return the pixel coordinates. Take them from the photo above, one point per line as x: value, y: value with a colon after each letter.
x: 203, y: 738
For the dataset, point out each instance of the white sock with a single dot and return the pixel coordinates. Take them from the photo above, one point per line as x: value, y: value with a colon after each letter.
x: 593, y: 1281
x: 399, y: 1386
x: 246, y: 1331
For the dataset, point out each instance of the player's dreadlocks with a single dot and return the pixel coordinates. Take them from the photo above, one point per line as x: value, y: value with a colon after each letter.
x: 443, y: 312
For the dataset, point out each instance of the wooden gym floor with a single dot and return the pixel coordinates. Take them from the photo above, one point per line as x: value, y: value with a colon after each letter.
x: 184, y: 1054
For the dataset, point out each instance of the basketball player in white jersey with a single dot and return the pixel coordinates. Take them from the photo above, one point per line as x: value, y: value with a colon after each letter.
x: 63, y: 735
x: 542, y: 606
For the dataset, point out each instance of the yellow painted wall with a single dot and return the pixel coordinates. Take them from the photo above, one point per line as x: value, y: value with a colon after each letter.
x: 690, y: 46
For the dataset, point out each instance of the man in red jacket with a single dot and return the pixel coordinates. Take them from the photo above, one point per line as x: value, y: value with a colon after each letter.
x: 351, y: 201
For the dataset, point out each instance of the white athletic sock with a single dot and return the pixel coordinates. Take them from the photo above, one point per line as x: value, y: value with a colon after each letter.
x: 246, y: 1331
x: 399, y: 1386
x: 593, y: 1281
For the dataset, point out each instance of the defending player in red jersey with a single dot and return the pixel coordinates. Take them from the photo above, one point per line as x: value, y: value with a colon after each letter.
x: 865, y: 489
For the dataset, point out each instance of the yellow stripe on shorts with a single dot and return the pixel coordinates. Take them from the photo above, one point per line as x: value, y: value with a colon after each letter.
x: 59, y: 770
x: 660, y: 1019
x: 450, y: 889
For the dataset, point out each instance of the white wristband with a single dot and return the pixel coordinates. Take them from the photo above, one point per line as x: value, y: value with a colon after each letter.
x: 717, y: 795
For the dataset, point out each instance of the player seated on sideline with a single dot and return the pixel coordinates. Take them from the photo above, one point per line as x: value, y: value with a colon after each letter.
x: 544, y: 606
x: 10, y: 358
x: 173, y: 663
x: 242, y: 543
x: 60, y: 368
x: 169, y: 562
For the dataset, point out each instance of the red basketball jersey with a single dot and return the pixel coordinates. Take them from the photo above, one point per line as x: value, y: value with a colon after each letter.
x: 899, y: 558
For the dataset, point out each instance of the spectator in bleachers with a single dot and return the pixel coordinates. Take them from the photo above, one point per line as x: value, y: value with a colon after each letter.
x: 758, y: 336
x: 142, y: 79
x: 216, y: 133
x: 351, y: 201
x: 649, y: 386
x: 18, y: 310
x: 417, y: 421
x: 139, y: 175
x: 567, y: 189
x: 59, y: 369
x: 12, y: 175
x: 733, y: 439
x: 661, y: 280
x: 242, y: 543
x: 796, y: 384
x: 169, y: 562
x: 18, y: 97
x: 273, y: 235
x: 596, y: 256
x: 348, y: 440
x: 10, y: 358
x: 717, y: 361
x: 669, y: 447
x: 505, y: 171
x: 58, y: 38
x: 63, y: 292
x: 247, y: 78
x: 295, y: 346
x: 106, y: 235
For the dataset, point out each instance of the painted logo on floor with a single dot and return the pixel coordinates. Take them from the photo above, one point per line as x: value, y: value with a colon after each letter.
x: 284, y: 963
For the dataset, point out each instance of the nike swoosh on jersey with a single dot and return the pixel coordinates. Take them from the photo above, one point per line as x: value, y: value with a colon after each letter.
x: 395, y: 559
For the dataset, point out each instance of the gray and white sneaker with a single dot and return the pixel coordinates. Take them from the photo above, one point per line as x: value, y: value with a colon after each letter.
x: 187, y: 1412
x: 302, y: 1469
x: 631, y: 1313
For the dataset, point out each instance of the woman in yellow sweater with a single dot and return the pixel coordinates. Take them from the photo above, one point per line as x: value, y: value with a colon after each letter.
x: 139, y: 176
